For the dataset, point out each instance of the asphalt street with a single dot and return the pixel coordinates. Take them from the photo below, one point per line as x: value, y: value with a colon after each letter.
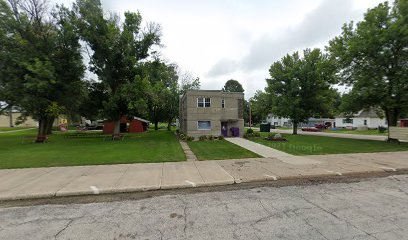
x: 370, y: 209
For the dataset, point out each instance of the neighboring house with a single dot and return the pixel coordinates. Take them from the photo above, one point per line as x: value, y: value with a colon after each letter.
x: 130, y: 125
x: 368, y: 118
x: 212, y: 112
x: 278, y: 121
x: 9, y: 120
x: 286, y: 122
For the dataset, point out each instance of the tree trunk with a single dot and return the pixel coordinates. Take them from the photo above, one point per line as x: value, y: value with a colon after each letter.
x: 11, y: 117
x: 156, y: 125
x: 49, y: 123
x: 42, y: 130
x: 169, y: 125
x: 295, y: 125
x: 116, y: 130
x: 392, y: 116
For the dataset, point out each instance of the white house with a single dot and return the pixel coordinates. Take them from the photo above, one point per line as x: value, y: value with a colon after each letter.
x: 278, y: 121
x: 368, y: 118
x: 286, y: 122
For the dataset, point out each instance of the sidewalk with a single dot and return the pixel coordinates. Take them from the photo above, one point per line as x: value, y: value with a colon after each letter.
x: 86, y: 180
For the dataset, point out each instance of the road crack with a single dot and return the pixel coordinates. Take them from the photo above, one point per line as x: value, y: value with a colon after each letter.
x: 63, y: 229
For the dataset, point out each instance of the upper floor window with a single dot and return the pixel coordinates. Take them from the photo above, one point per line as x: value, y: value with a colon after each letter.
x: 204, y: 102
x: 223, y: 103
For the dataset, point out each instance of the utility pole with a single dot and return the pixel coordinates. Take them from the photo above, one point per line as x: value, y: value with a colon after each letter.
x: 250, y: 114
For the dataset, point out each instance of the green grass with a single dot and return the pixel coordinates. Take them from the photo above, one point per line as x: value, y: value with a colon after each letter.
x: 364, y: 132
x: 315, y: 145
x: 152, y: 146
x: 219, y: 149
x: 7, y: 129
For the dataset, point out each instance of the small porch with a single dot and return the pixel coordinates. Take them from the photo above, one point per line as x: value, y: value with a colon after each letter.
x: 231, y: 128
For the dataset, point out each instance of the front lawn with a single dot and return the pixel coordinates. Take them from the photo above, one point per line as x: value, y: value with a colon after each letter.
x: 362, y: 132
x: 219, y: 149
x: 314, y: 145
x: 152, y: 146
x: 7, y: 129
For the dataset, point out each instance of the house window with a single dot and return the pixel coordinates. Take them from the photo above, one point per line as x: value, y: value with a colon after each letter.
x: 347, y: 120
x: 204, y: 102
x: 204, y: 125
x: 365, y: 122
x: 223, y: 103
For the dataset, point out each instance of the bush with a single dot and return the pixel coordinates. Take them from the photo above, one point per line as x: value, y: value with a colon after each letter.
x: 250, y: 131
x: 211, y: 137
x: 190, y: 138
x: 220, y: 137
x: 182, y: 136
x: 251, y: 135
x: 202, y: 138
x: 382, y: 129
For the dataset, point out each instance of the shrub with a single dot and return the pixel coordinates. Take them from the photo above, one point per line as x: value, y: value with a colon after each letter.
x: 251, y: 135
x: 182, y: 136
x: 190, y: 138
x: 220, y: 137
x: 250, y: 131
x: 382, y: 129
x: 202, y: 138
x: 211, y: 137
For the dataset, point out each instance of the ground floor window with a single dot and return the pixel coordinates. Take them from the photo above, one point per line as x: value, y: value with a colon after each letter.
x: 204, y: 125
x: 347, y: 120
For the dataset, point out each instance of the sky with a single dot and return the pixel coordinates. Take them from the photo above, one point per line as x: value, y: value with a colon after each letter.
x: 218, y: 40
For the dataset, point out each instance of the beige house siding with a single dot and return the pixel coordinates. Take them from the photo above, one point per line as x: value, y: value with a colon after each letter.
x: 5, y: 121
x: 190, y: 113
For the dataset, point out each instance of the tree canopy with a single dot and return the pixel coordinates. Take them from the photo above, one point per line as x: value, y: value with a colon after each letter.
x: 372, y: 57
x: 40, y: 61
x: 300, y: 87
x: 116, y: 50
x: 232, y: 86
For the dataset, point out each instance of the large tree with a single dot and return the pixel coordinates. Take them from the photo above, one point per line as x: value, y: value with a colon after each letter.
x: 232, y: 86
x: 40, y: 61
x: 162, y: 91
x: 301, y: 87
x: 372, y: 57
x: 261, y: 105
x: 188, y: 82
x: 116, y: 50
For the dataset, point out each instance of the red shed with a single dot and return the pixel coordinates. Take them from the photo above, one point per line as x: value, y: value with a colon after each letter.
x: 130, y: 125
x: 404, y: 122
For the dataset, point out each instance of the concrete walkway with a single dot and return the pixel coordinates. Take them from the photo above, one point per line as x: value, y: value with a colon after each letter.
x: 257, y: 148
x: 190, y: 156
x: 337, y: 135
x: 86, y: 180
x: 268, y: 152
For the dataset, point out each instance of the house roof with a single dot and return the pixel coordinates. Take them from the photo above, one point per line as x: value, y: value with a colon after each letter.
x: 365, y: 113
x: 141, y: 119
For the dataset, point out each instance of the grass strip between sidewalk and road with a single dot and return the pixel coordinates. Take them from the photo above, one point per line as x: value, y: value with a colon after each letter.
x: 316, y: 145
x: 219, y: 149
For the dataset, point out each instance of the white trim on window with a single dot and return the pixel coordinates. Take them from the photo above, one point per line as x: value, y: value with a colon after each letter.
x: 204, y: 102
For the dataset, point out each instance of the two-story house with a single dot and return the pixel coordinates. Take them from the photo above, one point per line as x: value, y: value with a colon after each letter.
x: 211, y: 112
